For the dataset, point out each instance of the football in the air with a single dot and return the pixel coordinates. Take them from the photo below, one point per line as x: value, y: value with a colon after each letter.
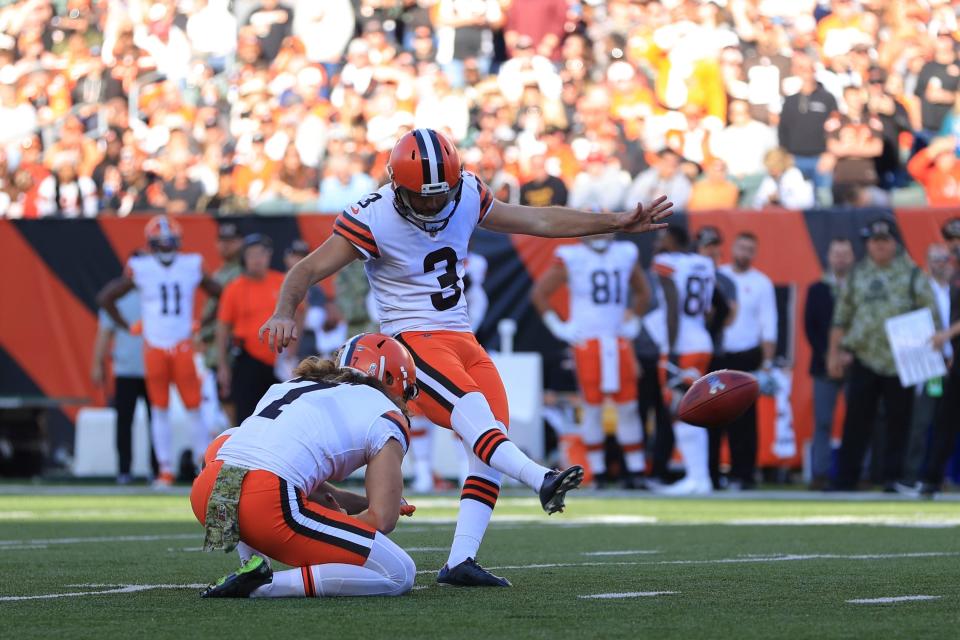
x: 718, y: 398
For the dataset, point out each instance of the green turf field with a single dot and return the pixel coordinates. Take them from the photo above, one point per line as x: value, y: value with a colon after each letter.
x: 128, y: 565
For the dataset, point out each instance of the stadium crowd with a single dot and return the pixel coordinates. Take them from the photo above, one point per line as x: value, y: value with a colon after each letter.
x: 265, y: 106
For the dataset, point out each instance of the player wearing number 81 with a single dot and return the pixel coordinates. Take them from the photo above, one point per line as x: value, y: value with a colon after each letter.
x: 601, y: 274
x: 167, y: 280
x: 413, y: 235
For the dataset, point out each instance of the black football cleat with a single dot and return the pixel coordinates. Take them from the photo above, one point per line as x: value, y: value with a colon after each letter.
x: 555, y: 487
x: 469, y: 574
x: 244, y: 581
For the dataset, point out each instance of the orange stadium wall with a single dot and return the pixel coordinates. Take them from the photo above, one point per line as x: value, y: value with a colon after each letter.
x: 51, y: 270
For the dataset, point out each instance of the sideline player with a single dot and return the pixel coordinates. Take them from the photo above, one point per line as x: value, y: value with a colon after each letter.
x: 265, y: 491
x: 601, y: 272
x: 413, y: 235
x: 679, y: 325
x: 167, y: 281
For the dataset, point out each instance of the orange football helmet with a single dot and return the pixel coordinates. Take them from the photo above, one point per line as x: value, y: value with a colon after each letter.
x: 425, y: 170
x: 163, y: 236
x: 383, y: 358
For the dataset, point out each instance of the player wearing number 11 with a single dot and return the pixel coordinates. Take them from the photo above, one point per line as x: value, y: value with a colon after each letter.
x: 412, y: 235
x: 167, y: 280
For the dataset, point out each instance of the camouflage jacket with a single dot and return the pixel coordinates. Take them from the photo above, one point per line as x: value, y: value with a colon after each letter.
x: 352, y: 290
x: 874, y: 294
x: 223, y: 275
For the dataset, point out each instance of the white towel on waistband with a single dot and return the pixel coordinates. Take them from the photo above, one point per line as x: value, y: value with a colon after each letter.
x: 609, y: 364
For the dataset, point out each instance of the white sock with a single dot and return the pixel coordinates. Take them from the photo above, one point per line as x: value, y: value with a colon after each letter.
x: 693, y: 443
x: 246, y: 552
x: 421, y: 446
x: 161, y: 436
x: 591, y: 429
x: 388, y: 571
x: 472, y: 419
x: 630, y: 436
x: 201, y: 435
x: 478, y: 497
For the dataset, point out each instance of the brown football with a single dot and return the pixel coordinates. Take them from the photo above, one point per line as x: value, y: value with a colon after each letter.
x: 718, y: 398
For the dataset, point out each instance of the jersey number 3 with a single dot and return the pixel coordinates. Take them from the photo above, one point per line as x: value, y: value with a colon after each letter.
x: 449, y: 281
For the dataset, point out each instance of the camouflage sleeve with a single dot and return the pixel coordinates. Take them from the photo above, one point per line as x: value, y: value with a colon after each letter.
x: 843, y: 310
x: 352, y: 288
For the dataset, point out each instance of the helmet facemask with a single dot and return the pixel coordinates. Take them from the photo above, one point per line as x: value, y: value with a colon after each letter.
x: 165, y: 248
x: 443, y: 198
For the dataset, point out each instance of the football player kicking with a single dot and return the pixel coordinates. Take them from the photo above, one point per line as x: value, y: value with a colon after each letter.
x: 413, y: 235
x: 679, y: 326
x: 601, y: 272
x: 167, y: 280
x: 265, y: 490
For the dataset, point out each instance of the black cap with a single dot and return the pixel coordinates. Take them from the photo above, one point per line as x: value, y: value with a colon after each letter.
x: 951, y: 229
x: 253, y: 239
x: 228, y: 231
x: 878, y: 228
x: 708, y: 235
x: 298, y: 246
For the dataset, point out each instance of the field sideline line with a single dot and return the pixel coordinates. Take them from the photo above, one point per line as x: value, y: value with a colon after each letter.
x: 120, y: 588
x: 144, y: 538
x: 741, y: 560
x: 627, y: 594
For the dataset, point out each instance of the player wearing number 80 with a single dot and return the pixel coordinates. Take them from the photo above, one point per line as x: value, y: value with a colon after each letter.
x: 413, y: 235
x: 167, y: 280
x: 679, y: 326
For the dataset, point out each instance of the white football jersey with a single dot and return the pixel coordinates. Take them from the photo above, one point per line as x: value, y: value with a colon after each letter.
x: 166, y: 295
x: 416, y: 277
x: 599, y: 283
x: 693, y: 276
x: 308, y: 432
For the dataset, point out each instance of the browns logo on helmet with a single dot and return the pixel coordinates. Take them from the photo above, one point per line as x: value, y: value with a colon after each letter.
x: 425, y: 170
x: 381, y: 357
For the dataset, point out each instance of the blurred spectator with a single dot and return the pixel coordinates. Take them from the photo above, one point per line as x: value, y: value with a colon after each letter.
x: 542, y: 189
x: 528, y: 67
x: 294, y: 185
x: 65, y: 194
x: 784, y: 185
x: 345, y: 183
x: 464, y: 33
x: 539, y: 22
x: 601, y: 185
x: 801, y: 129
x: 743, y: 144
x: 182, y: 193
x: 817, y: 321
x: 271, y: 22
x: 212, y: 31
x: 895, y: 120
x: 884, y: 284
x: 855, y: 141
x: 325, y: 28
x: 937, y: 168
x: 663, y: 178
x: 714, y: 190
x: 937, y: 86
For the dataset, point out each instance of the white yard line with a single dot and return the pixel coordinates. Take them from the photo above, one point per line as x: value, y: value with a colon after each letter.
x: 738, y: 560
x: 47, y: 541
x: 893, y: 599
x: 424, y: 549
x: 627, y: 594
x: 625, y: 552
x: 120, y: 588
